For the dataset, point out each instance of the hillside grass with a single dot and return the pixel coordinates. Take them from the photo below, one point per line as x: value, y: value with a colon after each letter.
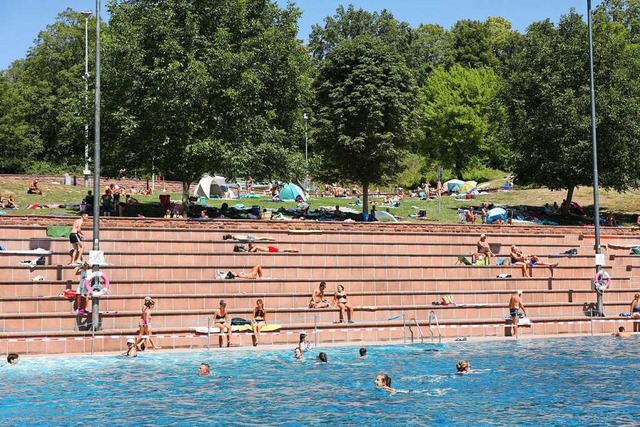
x: 623, y: 205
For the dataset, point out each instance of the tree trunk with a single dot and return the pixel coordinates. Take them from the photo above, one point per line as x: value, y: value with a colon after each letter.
x: 185, y: 195
x: 365, y: 197
x: 459, y: 174
x: 565, y: 207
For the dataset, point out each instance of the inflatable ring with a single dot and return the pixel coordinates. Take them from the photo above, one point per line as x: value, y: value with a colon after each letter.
x: 97, y: 290
x: 602, y: 280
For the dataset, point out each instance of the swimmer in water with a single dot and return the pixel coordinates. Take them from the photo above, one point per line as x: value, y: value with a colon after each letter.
x: 463, y: 367
x: 204, y: 369
x: 383, y: 382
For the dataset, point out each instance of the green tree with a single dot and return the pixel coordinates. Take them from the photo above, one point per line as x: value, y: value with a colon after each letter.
x: 365, y: 98
x: 51, y: 82
x: 199, y: 87
x: 548, y: 104
x: 461, y: 117
x: 350, y: 23
x: 472, y: 44
x: 18, y: 145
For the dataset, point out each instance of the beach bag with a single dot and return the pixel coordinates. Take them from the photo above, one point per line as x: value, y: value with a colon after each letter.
x: 41, y: 261
x: 635, y: 251
x: 237, y: 321
x: 239, y: 248
x: 230, y: 275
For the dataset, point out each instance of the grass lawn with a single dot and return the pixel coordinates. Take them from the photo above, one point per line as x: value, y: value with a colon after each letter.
x: 623, y: 205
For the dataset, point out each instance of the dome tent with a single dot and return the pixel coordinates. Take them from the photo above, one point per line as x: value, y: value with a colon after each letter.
x: 210, y: 186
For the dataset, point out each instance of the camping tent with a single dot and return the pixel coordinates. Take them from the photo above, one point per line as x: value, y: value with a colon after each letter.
x: 496, y: 213
x: 290, y: 191
x: 468, y: 187
x: 209, y: 186
x: 452, y: 185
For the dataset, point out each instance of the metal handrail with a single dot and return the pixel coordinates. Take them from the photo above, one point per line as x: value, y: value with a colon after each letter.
x: 419, y: 329
x: 433, y: 317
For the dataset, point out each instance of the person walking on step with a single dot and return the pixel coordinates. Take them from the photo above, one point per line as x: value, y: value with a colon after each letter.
x: 144, y: 334
x: 76, y: 238
x: 340, y: 300
x: 516, y: 311
x: 222, y: 322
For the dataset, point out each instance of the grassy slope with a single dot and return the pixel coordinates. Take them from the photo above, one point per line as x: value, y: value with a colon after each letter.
x: 623, y: 205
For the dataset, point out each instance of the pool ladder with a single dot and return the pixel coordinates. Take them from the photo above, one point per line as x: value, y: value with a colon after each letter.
x: 434, y: 319
x: 414, y: 320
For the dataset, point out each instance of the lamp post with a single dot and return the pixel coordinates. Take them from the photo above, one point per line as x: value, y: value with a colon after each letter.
x: 305, y: 116
x: 87, y: 14
x: 599, y: 259
x: 95, y: 301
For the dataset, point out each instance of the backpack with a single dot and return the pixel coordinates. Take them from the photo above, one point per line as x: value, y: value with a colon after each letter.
x: 500, y: 261
x: 230, y: 275
x: 239, y: 248
x: 464, y: 260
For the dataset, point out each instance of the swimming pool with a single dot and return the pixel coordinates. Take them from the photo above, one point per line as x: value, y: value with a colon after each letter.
x: 569, y: 381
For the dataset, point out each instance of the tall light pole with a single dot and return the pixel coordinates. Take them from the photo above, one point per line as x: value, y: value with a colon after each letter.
x: 599, y: 259
x: 95, y: 301
x: 86, y: 172
x: 305, y: 116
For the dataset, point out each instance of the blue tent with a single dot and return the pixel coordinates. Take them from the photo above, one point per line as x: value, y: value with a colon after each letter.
x: 290, y: 191
x: 496, y: 213
x: 452, y: 185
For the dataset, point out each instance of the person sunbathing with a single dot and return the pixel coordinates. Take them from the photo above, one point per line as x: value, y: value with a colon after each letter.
x: 254, y: 273
x: 627, y: 247
x: 535, y: 261
x: 519, y: 259
x: 33, y: 188
x: 247, y: 238
x: 261, y: 248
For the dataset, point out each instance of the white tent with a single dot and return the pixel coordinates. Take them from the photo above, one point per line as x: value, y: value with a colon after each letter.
x: 209, y: 186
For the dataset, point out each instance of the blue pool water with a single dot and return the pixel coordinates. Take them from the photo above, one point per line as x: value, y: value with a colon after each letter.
x: 591, y: 381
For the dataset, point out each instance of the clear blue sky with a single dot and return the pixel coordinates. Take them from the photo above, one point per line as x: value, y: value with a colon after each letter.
x: 21, y: 20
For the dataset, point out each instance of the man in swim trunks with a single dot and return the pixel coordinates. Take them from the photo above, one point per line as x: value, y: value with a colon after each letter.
x: 317, y: 298
x: 516, y: 310
x: 75, y: 238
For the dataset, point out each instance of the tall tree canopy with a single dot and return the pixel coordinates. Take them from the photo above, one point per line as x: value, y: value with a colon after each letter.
x: 365, y: 98
x: 18, y: 144
x: 198, y: 87
x: 461, y: 118
x: 51, y: 83
x: 548, y: 104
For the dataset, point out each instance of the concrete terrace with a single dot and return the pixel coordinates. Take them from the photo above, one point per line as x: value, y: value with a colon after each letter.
x: 391, y: 272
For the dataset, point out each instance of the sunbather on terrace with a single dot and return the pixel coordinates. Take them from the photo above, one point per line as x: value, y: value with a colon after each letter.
x: 247, y: 238
x: 254, y: 273
x: 519, y: 259
x: 262, y: 248
x: 627, y: 247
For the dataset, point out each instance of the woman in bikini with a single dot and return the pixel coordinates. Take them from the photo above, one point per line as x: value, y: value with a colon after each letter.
x: 259, y: 320
x: 340, y: 299
x: 221, y: 321
x: 144, y: 335
x: 634, y: 308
